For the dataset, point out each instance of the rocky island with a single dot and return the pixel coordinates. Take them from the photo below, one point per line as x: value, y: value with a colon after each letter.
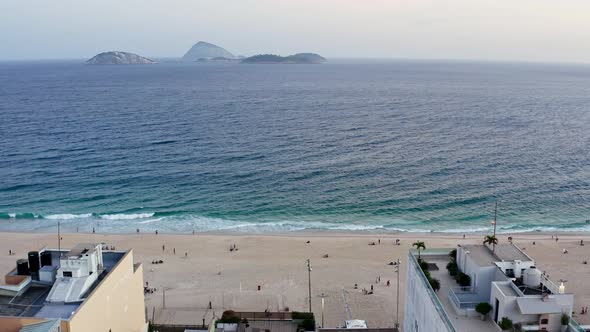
x: 205, y: 52
x: 299, y: 58
x: 119, y: 58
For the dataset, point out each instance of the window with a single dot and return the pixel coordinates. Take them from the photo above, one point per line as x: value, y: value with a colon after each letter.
x: 544, y: 321
x: 67, y: 274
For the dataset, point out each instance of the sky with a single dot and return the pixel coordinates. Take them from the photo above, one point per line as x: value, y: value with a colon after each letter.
x: 495, y: 30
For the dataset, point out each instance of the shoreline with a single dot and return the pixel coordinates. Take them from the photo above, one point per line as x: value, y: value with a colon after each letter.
x: 319, y: 233
x: 200, y: 268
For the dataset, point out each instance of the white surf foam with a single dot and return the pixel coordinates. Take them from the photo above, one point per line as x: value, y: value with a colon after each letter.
x: 123, y: 216
x: 67, y: 216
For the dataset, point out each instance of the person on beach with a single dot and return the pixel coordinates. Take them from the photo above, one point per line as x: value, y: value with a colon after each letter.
x: 174, y: 250
x: 388, y: 283
x: 163, y: 248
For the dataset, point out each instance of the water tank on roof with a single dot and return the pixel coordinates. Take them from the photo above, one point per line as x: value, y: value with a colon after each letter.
x: 22, y: 267
x: 45, y: 258
x: 33, y: 261
x: 532, y: 277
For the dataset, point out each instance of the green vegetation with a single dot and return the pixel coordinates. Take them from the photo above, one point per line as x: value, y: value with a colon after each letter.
x: 483, y: 308
x: 453, y: 268
x: 306, y: 321
x: 423, y: 264
x: 301, y: 315
x: 505, y: 324
x: 420, y: 245
x: 491, y: 240
x: 463, y: 279
x: 229, y: 317
x: 453, y: 255
x: 565, y: 319
x: 305, y: 58
x: 434, y: 283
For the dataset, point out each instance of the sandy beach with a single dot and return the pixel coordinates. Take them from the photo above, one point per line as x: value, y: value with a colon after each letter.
x: 209, y: 272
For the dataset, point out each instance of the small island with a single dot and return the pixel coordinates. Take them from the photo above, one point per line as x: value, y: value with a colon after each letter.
x: 299, y: 58
x: 207, y: 52
x: 119, y: 58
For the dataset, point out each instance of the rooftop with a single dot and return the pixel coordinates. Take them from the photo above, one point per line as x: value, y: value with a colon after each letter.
x: 32, y: 302
x: 507, y: 289
x: 41, y: 327
x: 481, y: 255
x: 82, y: 248
x: 441, y: 258
x: 510, y: 252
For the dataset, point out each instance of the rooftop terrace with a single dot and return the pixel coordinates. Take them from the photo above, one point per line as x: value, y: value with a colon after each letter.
x: 32, y: 302
x: 503, y: 252
x: 463, y: 324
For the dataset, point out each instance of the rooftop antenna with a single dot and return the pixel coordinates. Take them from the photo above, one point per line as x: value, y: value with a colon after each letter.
x: 495, y: 217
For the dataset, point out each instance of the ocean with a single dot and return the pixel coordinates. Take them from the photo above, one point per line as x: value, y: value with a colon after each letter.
x: 374, y: 146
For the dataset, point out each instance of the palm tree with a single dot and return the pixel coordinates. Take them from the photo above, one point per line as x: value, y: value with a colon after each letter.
x: 491, y: 239
x: 420, y: 246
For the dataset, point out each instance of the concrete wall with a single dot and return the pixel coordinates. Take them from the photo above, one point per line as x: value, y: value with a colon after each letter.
x: 516, y: 266
x: 481, y: 277
x: 420, y: 310
x: 508, y: 308
x: 117, y: 305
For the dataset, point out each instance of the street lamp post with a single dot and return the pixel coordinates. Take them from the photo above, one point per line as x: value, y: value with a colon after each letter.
x: 309, y: 281
x: 323, y: 296
x: 396, y: 268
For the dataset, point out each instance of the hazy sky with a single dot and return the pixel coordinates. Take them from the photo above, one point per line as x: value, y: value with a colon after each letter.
x: 529, y: 30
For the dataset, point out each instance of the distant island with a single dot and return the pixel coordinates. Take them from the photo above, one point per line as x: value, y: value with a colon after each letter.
x: 299, y: 58
x: 119, y: 58
x: 205, y: 52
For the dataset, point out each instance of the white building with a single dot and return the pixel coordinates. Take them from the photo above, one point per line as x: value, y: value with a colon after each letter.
x: 78, y: 270
x: 504, y: 277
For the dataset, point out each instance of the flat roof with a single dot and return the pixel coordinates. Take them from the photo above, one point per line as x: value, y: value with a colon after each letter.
x: 510, y: 252
x: 507, y: 289
x: 507, y: 252
x: 535, y: 305
x: 480, y: 254
x: 32, y: 302
x: 82, y: 248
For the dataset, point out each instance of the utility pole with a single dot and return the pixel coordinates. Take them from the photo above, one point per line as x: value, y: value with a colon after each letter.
x: 58, y: 239
x: 396, y: 268
x: 309, y: 281
x: 323, y: 296
x: 495, y: 223
x: 495, y: 217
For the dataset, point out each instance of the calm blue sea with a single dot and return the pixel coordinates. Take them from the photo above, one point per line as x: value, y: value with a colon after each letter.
x: 349, y: 145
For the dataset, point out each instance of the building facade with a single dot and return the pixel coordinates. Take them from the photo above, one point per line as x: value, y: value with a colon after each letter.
x: 93, y: 290
x: 503, y: 276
